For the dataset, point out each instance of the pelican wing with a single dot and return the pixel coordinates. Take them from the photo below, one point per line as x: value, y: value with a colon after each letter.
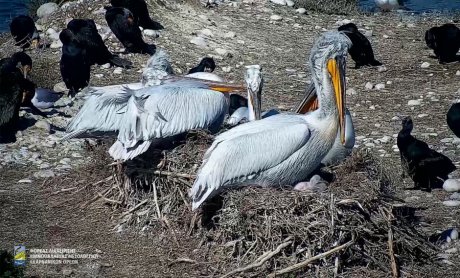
x: 246, y: 150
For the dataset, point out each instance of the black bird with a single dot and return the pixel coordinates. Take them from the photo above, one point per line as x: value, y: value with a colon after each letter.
x: 445, y: 41
x: 24, y: 32
x: 125, y: 28
x: 236, y: 101
x: 85, y: 32
x: 361, y: 51
x: 453, y: 119
x: 18, y: 62
x: 207, y: 64
x: 140, y: 13
x: 424, y: 165
x: 74, y: 64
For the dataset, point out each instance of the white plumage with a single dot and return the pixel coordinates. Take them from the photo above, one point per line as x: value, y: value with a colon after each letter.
x: 282, y: 149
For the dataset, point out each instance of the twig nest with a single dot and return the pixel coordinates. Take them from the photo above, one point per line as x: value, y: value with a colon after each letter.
x: 451, y: 185
x: 425, y: 65
x: 47, y: 9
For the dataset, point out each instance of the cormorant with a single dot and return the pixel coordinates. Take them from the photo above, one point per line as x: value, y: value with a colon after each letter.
x: 424, y: 165
x: 453, y: 119
x: 361, y: 50
x: 445, y: 42
x: 207, y: 64
x: 24, y: 32
x: 140, y: 13
x: 85, y: 32
x: 126, y: 29
x: 75, y: 65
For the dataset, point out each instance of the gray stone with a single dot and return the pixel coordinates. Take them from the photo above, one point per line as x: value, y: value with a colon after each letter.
x: 301, y: 11
x: 279, y: 2
x: 199, y: 41
x: 44, y: 174
x: 276, y: 17
x: 47, y: 9
x: 42, y: 124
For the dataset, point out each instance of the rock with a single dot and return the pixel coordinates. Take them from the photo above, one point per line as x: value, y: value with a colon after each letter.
x: 99, y: 75
x: 381, y: 68
x: 206, y: 33
x: 276, y: 17
x: 47, y: 9
x: 451, y: 185
x: 386, y: 36
x: 60, y: 87
x: 380, y: 86
x: 42, y: 124
x: 221, y: 51
x: 301, y: 11
x: 227, y: 69
x: 369, y: 86
x: 25, y: 181
x: 151, y: 33
x: 451, y: 203
x: 229, y: 35
x: 455, y: 196
x: 454, y: 234
x: 67, y: 271
x: 414, y: 102
x: 457, y: 73
x: 279, y: 2
x: 44, y: 174
x: 117, y: 70
x: 199, y: 41
x: 351, y: 91
x: 290, y: 3
x: 105, y: 66
x: 425, y: 65
x: 69, y: 5
x: 368, y: 33
x: 56, y: 44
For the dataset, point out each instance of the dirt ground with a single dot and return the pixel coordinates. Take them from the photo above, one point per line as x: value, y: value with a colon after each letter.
x: 46, y: 215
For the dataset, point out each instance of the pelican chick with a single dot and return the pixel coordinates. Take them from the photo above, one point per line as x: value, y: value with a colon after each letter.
x: 283, y: 149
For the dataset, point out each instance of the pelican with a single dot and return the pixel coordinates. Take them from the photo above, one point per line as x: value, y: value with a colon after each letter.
x: 254, y: 81
x: 339, y: 151
x: 285, y: 148
x: 144, y: 115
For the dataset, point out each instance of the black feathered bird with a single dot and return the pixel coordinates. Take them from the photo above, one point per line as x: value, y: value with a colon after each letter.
x: 445, y: 42
x: 206, y: 64
x: 361, y: 51
x: 75, y: 65
x: 140, y: 13
x: 125, y: 28
x: 18, y: 62
x: 236, y: 101
x: 453, y: 119
x: 425, y: 166
x: 24, y: 32
x: 85, y: 32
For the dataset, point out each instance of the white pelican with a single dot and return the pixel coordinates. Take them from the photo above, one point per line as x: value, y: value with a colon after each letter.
x: 338, y: 151
x: 143, y: 115
x: 254, y: 81
x: 283, y: 149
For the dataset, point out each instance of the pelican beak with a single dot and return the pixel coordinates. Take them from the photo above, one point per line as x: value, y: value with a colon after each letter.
x: 34, y: 43
x: 309, y: 101
x: 225, y: 88
x: 336, y: 68
x: 255, y: 99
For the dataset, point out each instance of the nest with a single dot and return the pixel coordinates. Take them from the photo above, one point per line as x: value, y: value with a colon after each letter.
x: 357, y: 224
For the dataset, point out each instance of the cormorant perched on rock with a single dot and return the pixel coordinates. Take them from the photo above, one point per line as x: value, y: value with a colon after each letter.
x: 424, y: 165
x: 24, y: 32
x: 140, y: 13
x: 85, y: 32
x: 361, y: 51
x: 207, y: 64
x: 453, y: 119
x: 445, y: 42
x: 125, y: 28
x: 75, y: 65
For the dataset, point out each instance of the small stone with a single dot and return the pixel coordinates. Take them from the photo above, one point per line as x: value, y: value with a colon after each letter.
x: 410, y: 25
x: 99, y: 75
x: 44, y: 174
x: 221, y: 51
x: 25, y: 181
x: 389, y: 82
x: 276, y: 17
x: 67, y: 271
x: 47, y: 9
x: 105, y: 66
x: 42, y: 124
x: 301, y: 11
x: 206, y: 33
x: 381, y: 68
x: 56, y: 44
x: 369, y: 145
x: 380, y: 86
x: 455, y: 196
x: 447, y: 140
x: 227, y: 69
x: 151, y: 33
x: 229, y: 35
x: 457, y: 73
x: 60, y: 87
x: 369, y: 86
x: 77, y: 155
x: 279, y: 2
x: 454, y: 234
x: 451, y: 185
x: 451, y: 203
x: 117, y: 70
x: 385, y: 36
x: 422, y: 115
x: 290, y: 3
x: 199, y: 41
x: 425, y: 65
x: 414, y: 102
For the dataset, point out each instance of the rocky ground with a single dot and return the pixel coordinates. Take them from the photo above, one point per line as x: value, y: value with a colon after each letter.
x: 235, y: 33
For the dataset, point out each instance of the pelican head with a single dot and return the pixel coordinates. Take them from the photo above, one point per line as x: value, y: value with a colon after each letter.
x: 254, y: 81
x: 328, y: 64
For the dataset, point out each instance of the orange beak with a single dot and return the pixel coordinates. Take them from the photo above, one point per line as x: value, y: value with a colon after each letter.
x: 336, y: 68
x: 309, y: 102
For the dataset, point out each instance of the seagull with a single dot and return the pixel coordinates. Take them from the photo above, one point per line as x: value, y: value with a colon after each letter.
x: 285, y: 148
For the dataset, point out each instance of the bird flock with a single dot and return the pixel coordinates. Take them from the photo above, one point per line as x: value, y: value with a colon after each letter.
x: 263, y: 148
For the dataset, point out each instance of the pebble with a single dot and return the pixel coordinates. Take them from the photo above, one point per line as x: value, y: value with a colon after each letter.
x: 221, y: 51
x: 227, y: 69
x: 290, y: 3
x: 47, y: 9
x: 455, y: 196
x: 276, y: 17
x: 42, y: 124
x: 151, y: 33
x: 60, y: 87
x: 25, y: 181
x: 206, y: 33
x: 369, y: 86
x: 380, y: 86
x: 44, y: 174
x: 301, y: 11
x: 56, y: 44
x: 422, y: 115
x: 414, y: 102
x: 381, y: 68
x: 447, y: 140
x: 199, y: 41
x: 105, y: 66
x: 451, y: 185
x: 385, y: 36
x: 230, y: 34
x: 457, y: 73
x: 99, y: 75
x: 451, y: 203
x: 425, y: 65
x: 118, y: 70
x: 279, y: 2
